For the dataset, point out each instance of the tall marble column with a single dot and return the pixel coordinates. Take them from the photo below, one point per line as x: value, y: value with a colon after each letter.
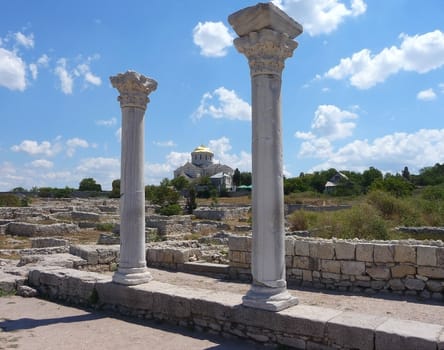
x: 265, y: 38
x: 134, y: 89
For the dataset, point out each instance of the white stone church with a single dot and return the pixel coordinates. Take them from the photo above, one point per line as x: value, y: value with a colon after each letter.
x: 202, y: 164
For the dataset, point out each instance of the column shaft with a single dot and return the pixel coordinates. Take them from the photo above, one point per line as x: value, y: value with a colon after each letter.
x: 134, y: 89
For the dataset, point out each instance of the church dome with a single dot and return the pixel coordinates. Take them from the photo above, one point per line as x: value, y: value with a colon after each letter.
x: 202, y: 156
x: 202, y: 149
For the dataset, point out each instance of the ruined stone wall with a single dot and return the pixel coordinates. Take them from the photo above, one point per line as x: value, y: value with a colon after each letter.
x: 403, y: 267
x: 207, y: 213
x: 170, y: 225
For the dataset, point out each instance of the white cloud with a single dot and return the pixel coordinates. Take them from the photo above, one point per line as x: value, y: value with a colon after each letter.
x: 223, y: 103
x: 103, y: 170
x: 34, y: 148
x: 42, y: 163
x: 426, y: 95
x: 321, y: 16
x: 221, y: 149
x: 118, y: 135
x: 331, y: 123
x: 107, y: 122
x: 169, y: 143
x: 441, y: 87
x: 389, y: 153
x: 12, y: 70
x: 34, y: 70
x: 66, y: 78
x: 73, y: 144
x: 23, y: 40
x: 82, y: 70
x: 43, y: 60
x: 419, y: 53
x: 213, y: 38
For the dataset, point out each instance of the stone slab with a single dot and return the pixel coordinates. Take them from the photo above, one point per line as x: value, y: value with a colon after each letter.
x: 396, y: 334
x: 353, y: 330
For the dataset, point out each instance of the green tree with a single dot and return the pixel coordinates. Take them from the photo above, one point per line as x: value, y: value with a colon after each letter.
x: 89, y: 184
x: 369, y: 176
x: 245, y: 178
x: 180, y: 183
x: 406, y: 174
x: 236, y: 177
x: 115, y: 192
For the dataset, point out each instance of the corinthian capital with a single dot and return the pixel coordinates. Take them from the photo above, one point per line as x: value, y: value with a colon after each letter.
x: 134, y: 89
x: 266, y: 50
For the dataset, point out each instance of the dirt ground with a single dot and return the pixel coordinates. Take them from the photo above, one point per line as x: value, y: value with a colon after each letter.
x: 381, y: 304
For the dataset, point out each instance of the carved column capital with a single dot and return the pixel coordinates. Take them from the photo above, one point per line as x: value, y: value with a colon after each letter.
x: 266, y: 51
x: 134, y: 89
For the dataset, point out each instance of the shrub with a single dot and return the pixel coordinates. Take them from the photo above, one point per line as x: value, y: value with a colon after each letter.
x: 9, y: 200
x: 170, y: 209
x: 301, y: 220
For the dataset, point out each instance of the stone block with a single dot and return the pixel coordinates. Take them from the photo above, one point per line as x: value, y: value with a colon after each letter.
x: 301, y: 262
x: 307, y: 275
x: 403, y: 270
x: 289, y: 246
x: 435, y: 286
x: 332, y: 266
x: 345, y: 251
x: 405, y: 254
x: 426, y: 256
x: 379, y: 273
x: 235, y: 256
x: 241, y: 243
x: 331, y: 276
x: 288, y: 260
x: 301, y: 248
x: 352, y: 330
x: 414, y: 284
x: 326, y: 250
x: 383, y: 253
x: 364, y: 252
x: 431, y: 272
x: 314, y: 248
x: 440, y: 256
x: 397, y: 334
x: 396, y: 284
x: 352, y: 267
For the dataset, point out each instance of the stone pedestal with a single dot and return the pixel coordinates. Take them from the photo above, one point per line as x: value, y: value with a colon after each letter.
x: 134, y: 89
x: 266, y: 35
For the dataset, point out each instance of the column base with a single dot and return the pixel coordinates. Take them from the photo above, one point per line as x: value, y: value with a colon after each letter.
x: 270, y: 299
x: 132, y: 276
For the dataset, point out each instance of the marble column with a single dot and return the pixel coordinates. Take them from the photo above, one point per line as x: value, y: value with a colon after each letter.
x: 266, y: 38
x: 134, y: 89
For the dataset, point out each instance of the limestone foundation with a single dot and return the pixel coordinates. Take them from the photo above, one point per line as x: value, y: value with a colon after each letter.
x: 134, y: 89
x: 266, y: 39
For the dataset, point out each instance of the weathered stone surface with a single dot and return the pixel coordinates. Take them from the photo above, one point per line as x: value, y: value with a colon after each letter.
x: 414, y: 284
x: 352, y: 267
x: 85, y: 216
x: 27, y: 292
x: 396, y: 284
x: 426, y: 256
x: 440, y: 257
x: 326, y: 250
x: 345, y: 250
x: 379, y: 273
x: 406, y: 335
x: 383, y: 253
x: 289, y: 246
x: 405, y: 254
x: 32, y: 230
x: 301, y: 262
x: 9, y: 283
x: 43, y: 242
x: 364, y: 252
x: 432, y: 272
x: 240, y: 243
x: 403, y: 270
x: 62, y: 260
x: 435, y: 286
x: 353, y: 331
x: 332, y: 266
x: 302, y: 248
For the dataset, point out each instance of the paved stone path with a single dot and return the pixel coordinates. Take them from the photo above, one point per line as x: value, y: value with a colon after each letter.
x: 31, y: 323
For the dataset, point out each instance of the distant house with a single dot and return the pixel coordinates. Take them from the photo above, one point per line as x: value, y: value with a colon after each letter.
x: 338, y: 180
x: 221, y: 176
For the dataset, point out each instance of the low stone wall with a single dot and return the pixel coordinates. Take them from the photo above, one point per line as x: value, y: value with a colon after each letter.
x: 302, y: 326
x: 176, y: 225
x: 290, y: 208
x: 31, y: 230
x: 412, y: 268
x: 45, y: 242
x: 207, y: 213
x: 98, y: 258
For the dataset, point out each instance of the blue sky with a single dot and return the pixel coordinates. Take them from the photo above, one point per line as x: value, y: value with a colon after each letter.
x: 364, y: 88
